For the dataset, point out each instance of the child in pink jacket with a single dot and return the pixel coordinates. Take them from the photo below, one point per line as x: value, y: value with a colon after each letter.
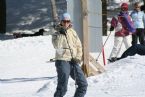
x: 123, y: 25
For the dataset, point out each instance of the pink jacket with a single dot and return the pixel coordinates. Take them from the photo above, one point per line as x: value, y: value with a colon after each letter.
x: 120, y: 26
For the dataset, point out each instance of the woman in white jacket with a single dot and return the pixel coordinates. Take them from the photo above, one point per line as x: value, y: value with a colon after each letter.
x: 68, y: 57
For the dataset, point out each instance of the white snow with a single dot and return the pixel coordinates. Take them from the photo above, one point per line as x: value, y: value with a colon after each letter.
x: 26, y: 72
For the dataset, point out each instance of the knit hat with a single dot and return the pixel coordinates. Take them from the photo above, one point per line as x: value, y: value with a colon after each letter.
x: 65, y: 16
x: 124, y: 6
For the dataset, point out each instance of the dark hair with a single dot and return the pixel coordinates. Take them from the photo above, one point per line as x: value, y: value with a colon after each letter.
x: 136, y: 3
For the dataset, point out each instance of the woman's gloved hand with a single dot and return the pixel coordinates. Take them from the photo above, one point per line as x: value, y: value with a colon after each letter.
x: 111, y: 28
x: 62, y: 30
x: 75, y: 61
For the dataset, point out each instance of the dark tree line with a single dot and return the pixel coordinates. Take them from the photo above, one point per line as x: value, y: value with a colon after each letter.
x: 104, y: 16
x: 2, y: 16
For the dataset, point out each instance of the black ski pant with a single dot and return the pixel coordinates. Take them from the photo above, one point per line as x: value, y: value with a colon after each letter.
x: 135, y: 49
x: 64, y: 70
x: 138, y: 35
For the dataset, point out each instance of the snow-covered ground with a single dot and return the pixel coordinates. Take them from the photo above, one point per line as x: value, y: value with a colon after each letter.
x: 26, y: 72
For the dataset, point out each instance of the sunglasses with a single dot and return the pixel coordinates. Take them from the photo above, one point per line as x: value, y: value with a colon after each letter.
x: 66, y: 21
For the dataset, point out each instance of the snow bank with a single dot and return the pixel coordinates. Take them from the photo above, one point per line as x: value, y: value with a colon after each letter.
x: 26, y: 72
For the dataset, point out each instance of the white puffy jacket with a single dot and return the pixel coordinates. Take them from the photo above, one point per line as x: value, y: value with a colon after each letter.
x: 62, y: 48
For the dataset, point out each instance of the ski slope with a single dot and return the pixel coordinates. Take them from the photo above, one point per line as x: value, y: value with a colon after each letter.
x: 26, y: 72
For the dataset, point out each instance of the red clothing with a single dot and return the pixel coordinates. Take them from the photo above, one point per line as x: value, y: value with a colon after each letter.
x: 120, y: 26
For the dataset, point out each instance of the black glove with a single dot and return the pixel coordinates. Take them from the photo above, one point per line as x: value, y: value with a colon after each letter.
x: 62, y: 31
x: 75, y: 61
x: 111, y: 28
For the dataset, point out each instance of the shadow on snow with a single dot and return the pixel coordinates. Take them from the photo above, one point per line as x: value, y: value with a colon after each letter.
x: 15, y: 80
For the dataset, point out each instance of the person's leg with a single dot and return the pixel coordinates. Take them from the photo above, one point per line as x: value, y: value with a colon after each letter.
x: 127, y: 41
x: 26, y: 35
x: 116, y: 47
x: 141, y: 36
x: 78, y: 75
x: 134, y: 39
x: 63, y: 72
x: 140, y: 49
x: 130, y: 51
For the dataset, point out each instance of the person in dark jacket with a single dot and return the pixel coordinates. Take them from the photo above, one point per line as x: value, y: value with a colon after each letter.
x: 134, y: 49
x: 18, y: 35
